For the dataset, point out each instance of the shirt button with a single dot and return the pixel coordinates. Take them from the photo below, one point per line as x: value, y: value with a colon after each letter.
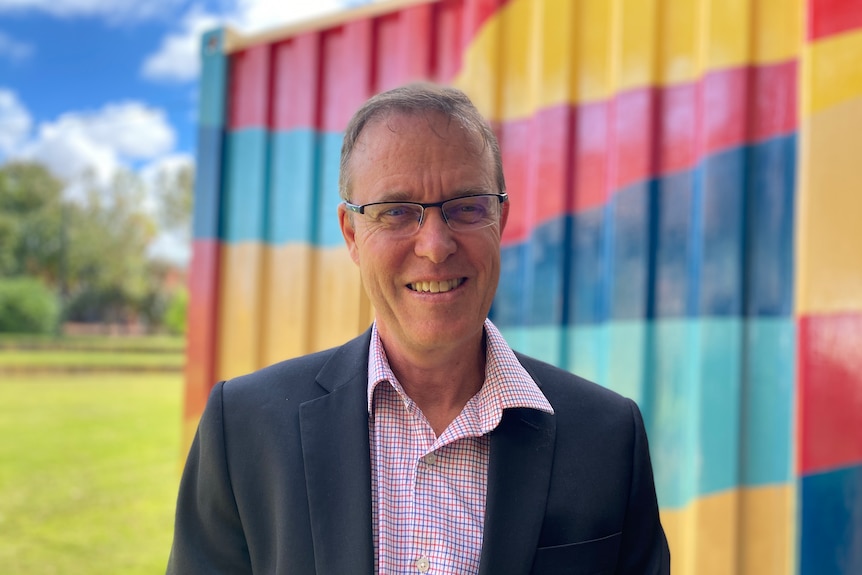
x: 422, y: 564
x: 430, y: 459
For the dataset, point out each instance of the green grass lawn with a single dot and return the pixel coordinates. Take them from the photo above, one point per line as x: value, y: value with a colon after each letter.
x: 44, y: 358
x: 89, y: 468
x: 168, y: 343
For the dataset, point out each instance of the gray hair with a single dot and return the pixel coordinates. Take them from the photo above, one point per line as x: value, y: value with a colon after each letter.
x: 414, y: 99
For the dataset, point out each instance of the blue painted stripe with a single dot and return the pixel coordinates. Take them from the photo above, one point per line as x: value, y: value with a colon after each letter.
x: 244, y: 201
x: 214, y: 67
x: 715, y: 241
x: 294, y: 165
x: 716, y: 393
x: 831, y: 542
x: 208, y: 178
x: 329, y: 231
x: 771, y: 181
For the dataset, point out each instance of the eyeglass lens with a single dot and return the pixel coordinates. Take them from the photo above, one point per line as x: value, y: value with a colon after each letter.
x: 468, y: 213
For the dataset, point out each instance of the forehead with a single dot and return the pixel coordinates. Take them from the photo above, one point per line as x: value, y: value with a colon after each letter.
x: 427, y: 149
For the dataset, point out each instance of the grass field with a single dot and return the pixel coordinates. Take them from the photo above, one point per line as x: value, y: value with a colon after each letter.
x: 120, y: 359
x: 89, y: 473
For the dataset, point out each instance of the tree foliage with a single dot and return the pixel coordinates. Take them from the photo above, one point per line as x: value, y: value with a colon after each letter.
x: 175, y: 189
x: 30, y: 222
x: 92, y: 251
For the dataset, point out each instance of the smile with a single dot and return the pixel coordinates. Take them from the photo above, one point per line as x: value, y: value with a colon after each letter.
x: 435, y: 286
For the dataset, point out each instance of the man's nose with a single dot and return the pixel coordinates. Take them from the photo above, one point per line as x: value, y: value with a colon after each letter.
x: 435, y: 240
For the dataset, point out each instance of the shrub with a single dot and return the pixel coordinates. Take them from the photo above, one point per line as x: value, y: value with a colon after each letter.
x: 175, y: 314
x: 27, y: 306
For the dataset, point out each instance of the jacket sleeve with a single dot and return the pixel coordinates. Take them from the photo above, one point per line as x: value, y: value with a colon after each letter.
x: 644, y: 549
x: 208, y: 534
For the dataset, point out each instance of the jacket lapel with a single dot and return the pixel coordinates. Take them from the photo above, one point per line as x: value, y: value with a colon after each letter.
x: 337, y: 466
x: 519, y: 472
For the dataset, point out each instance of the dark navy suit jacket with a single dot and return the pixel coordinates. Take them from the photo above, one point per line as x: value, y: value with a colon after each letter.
x: 278, y: 479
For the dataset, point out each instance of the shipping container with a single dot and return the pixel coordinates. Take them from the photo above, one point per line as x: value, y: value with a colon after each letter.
x: 685, y: 228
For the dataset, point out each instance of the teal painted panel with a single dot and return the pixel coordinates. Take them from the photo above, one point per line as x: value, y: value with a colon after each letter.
x: 328, y: 229
x: 544, y: 343
x: 769, y: 401
x: 718, y: 459
x: 294, y: 161
x: 214, y: 67
x: 671, y: 377
x: 244, y: 200
x: 716, y: 393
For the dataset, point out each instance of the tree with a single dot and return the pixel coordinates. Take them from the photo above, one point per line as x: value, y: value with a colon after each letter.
x: 107, y: 264
x: 92, y: 251
x: 31, y: 222
x: 175, y: 190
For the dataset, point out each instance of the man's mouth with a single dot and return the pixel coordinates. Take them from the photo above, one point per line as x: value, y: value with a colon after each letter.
x: 435, y: 286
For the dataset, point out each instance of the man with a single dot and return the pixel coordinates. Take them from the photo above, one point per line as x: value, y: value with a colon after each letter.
x: 426, y: 445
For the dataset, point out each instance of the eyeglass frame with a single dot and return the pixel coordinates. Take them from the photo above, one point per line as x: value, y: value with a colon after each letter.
x: 503, y: 197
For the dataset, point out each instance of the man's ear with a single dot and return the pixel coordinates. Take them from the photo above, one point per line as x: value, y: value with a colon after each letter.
x: 504, y: 216
x: 345, y: 220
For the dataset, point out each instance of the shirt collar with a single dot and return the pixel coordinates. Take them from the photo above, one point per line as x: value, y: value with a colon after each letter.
x: 507, y: 384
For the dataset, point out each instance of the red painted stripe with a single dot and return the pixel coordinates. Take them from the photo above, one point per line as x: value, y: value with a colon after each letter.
x: 202, y: 326
x: 830, y: 392
x: 348, y: 72
x: 404, y: 47
x: 319, y: 79
x: 830, y: 17
x: 296, y: 83
x: 248, y: 88
x: 596, y: 149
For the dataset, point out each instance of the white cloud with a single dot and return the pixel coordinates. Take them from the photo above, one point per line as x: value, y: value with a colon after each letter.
x: 102, y: 141
x: 15, y: 122
x: 13, y: 49
x: 177, y: 58
x: 255, y: 15
x: 166, y: 166
x: 113, y: 10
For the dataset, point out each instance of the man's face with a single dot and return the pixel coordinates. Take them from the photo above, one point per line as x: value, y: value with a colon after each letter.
x: 431, y: 290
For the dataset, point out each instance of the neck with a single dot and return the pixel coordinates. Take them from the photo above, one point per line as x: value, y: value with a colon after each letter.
x: 442, y: 382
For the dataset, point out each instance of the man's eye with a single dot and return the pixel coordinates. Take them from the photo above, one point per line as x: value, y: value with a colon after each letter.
x: 395, y: 212
x: 471, y: 211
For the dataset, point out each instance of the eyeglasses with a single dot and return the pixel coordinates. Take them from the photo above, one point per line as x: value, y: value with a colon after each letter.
x: 462, y: 214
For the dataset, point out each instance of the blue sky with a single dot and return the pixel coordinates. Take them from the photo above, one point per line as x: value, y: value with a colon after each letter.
x: 101, y: 85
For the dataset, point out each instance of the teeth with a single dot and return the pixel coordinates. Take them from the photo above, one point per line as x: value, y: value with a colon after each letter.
x: 435, y: 287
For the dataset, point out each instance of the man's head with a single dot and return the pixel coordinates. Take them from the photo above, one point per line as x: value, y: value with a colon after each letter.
x: 431, y: 283
x: 419, y: 99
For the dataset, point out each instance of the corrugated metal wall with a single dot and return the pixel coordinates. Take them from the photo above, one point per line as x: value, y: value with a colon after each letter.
x: 686, y: 228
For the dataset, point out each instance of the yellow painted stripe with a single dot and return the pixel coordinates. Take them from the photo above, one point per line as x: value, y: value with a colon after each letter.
x: 339, y: 306
x: 829, y: 234
x: 287, y: 289
x: 747, y: 531
x: 534, y: 54
x: 832, y: 72
x: 278, y: 302
x: 239, y: 309
x: 313, y: 301
x: 768, y: 530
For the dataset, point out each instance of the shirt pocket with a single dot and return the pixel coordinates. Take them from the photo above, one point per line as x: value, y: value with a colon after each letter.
x: 593, y: 557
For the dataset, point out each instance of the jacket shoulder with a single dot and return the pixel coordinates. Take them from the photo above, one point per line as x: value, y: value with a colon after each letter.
x: 304, y: 377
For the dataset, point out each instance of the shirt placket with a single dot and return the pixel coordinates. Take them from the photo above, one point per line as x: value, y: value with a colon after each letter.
x: 424, y: 560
